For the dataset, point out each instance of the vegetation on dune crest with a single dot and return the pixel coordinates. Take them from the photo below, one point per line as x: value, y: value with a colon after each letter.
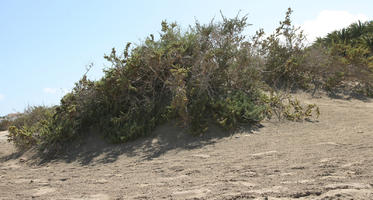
x: 350, y: 55
x: 207, y: 74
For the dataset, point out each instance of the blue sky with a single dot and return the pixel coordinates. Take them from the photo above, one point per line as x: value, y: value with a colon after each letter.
x: 46, y: 45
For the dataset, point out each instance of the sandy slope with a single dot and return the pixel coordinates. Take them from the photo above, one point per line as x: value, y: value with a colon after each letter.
x: 329, y: 159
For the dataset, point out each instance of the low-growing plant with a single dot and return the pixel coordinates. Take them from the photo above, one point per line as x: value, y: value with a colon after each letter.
x: 32, y: 127
x: 284, y: 107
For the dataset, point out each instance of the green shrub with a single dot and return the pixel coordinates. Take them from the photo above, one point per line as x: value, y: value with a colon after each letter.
x: 284, y: 107
x: 284, y: 56
x: 238, y: 108
x: 352, y: 49
x: 32, y: 115
x: 4, y: 124
x: 208, y: 74
x: 32, y: 127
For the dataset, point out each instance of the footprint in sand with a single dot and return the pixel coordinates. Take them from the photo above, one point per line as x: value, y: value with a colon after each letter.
x: 11, y: 165
x: 167, y: 179
x: 332, y: 177
x: 267, y: 153
x: 201, y: 156
x: 328, y: 143
x: 348, y: 194
x: 352, y: 164
x: 42, y: 191
x: 275, y: 189
x: 244, y: 183
x: 177, y: 168
x: 325, y: 160
x: 99, y: 196
x: 347, y: 186
x: 187, y: 194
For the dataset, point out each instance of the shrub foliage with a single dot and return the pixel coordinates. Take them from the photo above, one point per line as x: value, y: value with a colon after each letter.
x: 4, y: 124
x: 350, y: 54
x: 207, y: 74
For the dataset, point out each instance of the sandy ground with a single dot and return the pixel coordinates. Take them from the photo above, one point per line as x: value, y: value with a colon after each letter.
x: 328, y: 159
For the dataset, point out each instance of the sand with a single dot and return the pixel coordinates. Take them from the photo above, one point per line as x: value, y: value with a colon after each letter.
x: 328, y: 159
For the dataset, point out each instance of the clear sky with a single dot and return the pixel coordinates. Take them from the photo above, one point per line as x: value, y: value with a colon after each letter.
x: 45, y: 45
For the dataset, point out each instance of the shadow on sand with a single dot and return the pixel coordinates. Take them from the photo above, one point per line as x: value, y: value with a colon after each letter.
x: 94, y: 149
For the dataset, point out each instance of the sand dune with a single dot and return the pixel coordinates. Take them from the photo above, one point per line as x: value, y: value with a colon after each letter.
x: 328, y: 159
